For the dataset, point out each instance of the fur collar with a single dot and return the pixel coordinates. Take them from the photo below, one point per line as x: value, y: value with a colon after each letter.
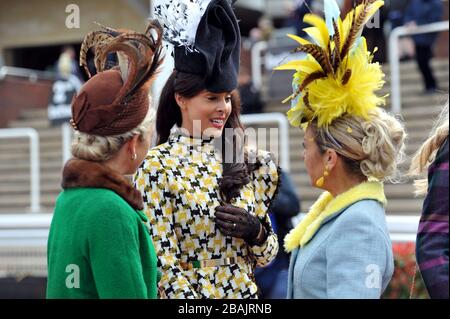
x: 326, y: 206
x: 81, y: 173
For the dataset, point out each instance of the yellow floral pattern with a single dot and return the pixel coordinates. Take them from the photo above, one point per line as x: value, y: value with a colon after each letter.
x: 179, y: 182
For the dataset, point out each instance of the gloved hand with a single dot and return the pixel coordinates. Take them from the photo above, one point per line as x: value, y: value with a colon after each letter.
x: 237, y: 222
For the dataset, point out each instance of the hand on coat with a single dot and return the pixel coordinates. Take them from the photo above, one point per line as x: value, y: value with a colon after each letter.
x: 237, y: 222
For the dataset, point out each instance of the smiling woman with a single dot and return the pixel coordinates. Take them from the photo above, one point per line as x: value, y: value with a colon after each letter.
x: 209, y: 214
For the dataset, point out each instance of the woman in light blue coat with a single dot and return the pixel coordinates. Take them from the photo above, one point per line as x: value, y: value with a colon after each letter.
x: 342, y: 249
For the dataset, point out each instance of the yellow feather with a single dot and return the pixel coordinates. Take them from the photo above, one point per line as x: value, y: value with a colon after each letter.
x: 373, y: 9
x: 315, y: 34
x: 307, y: 66
x: 298, y: 39
x: 321, y: 33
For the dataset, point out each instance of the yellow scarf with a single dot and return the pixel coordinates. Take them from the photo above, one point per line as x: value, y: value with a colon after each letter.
x: 326, y: 206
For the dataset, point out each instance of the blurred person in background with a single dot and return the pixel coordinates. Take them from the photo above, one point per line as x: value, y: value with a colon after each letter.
x: 296, y: 11
x: 432, y: 237
x: 67, y: 64
x: 396, y: 16
x: 422, y: 12
x: 250, y: 96
x: 272, y: 280
x: 99, y: 244
x: 264, y: 30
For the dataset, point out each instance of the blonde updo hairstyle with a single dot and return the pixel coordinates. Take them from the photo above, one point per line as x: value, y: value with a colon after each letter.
x: 371, y: 148
x: 102, y: 148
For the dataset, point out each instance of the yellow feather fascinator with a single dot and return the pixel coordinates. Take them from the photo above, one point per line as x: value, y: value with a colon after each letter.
x: 337, y: 76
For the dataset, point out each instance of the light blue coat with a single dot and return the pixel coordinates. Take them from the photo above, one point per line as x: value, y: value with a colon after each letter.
x: 349, y: 257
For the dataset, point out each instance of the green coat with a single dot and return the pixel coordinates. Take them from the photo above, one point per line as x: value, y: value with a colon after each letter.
x: 99, y: 247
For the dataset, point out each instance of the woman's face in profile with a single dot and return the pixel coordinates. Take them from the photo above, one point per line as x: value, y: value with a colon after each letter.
x: 312, y: 157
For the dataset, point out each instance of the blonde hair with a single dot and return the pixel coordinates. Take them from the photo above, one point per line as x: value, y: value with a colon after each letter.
x: 372, y: 148
x: 102, y: 148
x: 427, y: 152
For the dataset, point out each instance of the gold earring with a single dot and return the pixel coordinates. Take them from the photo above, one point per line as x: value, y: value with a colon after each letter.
x: 134, y: 157
x: 321, y: 181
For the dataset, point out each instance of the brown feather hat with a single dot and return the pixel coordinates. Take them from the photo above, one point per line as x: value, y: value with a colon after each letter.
x: 116, y: 101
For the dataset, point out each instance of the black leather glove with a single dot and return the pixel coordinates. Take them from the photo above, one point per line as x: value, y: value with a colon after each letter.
x: 237, y: 222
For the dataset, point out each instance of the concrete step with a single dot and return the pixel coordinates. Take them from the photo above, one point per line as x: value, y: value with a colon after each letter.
x: 24, y: 178
x: 46, y: 134
x: 408, y: 113
x: 45, y: 156
x: 411, y: 66
x: 277, y: 87
x: 23, y: 200
x: 397, y: 191
x: 31, y: 122
x: 49, y: 188
x: 25, y: 210
x: 24, y: 166
x: 37, y: 113
x: 416, y: 88
x: 413, y: 76
x: 44, y: 146
x: 394, y: 207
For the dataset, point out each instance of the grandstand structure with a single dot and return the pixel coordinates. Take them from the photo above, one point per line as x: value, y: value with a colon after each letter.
x: 419, y: 112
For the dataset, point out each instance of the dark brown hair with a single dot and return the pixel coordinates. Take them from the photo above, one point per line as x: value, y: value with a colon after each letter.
x: 235, y: 174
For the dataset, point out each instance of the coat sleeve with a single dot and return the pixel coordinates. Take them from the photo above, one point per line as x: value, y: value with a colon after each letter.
x: 358, y: 254
x: 266, y: 181
x: 432, y: 238
x: 114, y: 256
x: 152, y: 181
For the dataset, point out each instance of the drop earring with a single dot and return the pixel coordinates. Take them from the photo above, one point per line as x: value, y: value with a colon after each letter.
x: 321, y: 181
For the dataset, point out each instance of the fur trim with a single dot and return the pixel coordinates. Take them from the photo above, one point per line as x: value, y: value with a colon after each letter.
x: 80, y: 173
x: 326, y: 206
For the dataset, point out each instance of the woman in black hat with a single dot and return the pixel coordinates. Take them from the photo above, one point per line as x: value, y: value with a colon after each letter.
x: 206, y: 196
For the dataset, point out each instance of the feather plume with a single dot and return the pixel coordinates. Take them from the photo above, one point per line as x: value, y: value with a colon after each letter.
x: 139, y: 55
x: 337, y: 76
x: 319, y: 55
x: 180, y: 20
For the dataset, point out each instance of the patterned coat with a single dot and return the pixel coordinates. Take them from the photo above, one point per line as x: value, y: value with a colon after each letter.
x: 432, y: 237
x: 179, y: 182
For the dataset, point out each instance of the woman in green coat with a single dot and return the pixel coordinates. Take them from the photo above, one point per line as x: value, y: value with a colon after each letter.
x: 99, y: 244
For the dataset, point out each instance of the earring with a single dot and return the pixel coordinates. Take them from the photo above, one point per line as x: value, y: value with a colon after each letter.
x: 134, y: 157
x: 321, y: 180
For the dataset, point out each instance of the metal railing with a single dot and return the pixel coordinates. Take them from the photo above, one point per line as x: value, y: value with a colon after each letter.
x: 35, y: 192
x: 394, y: 58
x: 67, y: 132
x: 247, y: 119
x: 24, y: 230
x: 256, y: 56
x: 32, y: 75
x: 402, y: 228
x: 283, y: 125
